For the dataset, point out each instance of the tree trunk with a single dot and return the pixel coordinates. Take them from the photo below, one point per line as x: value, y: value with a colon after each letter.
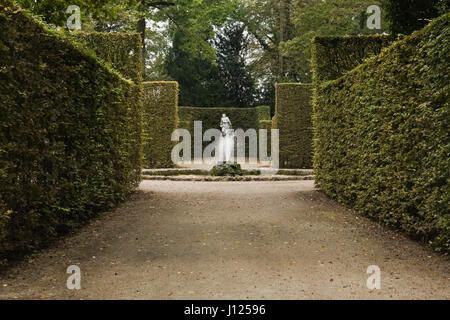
x: 141, y: 22
x: 141, y: 30
x: 282, y: 33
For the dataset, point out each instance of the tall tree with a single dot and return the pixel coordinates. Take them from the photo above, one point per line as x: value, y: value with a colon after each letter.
x: 238, y: 83
x: 192, y: 57
x: 141, y: 25
x: 312, y: 18
x: 269, y: 23
x: 54, y: 11
x: 198, y: 77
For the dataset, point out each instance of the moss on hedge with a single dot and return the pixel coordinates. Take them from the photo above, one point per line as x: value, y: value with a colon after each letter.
x: 160, y: 120
x: 293, y: 118
x: 382, y: 140
x: 70, y: 133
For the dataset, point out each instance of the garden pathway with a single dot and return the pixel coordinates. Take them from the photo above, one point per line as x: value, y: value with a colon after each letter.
x: 231, y: 240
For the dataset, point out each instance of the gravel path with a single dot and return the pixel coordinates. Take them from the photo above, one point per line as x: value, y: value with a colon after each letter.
x: 231, y: 240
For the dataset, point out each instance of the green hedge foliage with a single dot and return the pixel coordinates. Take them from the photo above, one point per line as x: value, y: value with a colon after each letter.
x: 160, y: 120
x: 293, y: 112
x: 263, y: 113
x: 382, y: 140
x: 267, y: 124
x: 332, y: 56
x: 70, y: 133
x: 122, y: 50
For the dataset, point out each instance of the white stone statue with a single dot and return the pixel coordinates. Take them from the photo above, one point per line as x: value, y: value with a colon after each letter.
x: 225, y: 125
x: 226, y: 142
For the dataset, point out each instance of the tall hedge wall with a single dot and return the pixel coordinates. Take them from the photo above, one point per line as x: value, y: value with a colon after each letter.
x: 122, y: 50
x: 332, y: 56
x: 70, y: 133
x: 382, y: 141
x: 293, y: 112
x: 160, y: 120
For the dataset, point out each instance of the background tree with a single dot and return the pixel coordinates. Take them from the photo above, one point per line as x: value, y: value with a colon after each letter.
x: 406, y: 16
x: 191, y: 58
x: 236, y: 80
x: 197, y: 76
x: 142, y: 25
x: 186, y: 40
x: 269, y: 24
x: 312, y: 18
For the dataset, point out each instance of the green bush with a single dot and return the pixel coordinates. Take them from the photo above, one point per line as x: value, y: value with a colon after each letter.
x: 332, y: 56
x: 293, y: 119
x: 160, y: 120
x: 122, y: 50
x: 382, y: 135
x: 70, y: 133
x: 227, y: 169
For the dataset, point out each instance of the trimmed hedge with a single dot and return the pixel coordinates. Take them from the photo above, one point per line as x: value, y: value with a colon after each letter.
x: 122, y: 50
x: 382, y: 141
x: 293, y: 112
x: 160, y: 120
x: 70, y: 133
x: 263, y: 113
x: 332, y: 56
x: 267, y: 124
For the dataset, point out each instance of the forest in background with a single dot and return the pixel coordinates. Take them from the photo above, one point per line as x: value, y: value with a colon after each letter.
x: 230, y: 53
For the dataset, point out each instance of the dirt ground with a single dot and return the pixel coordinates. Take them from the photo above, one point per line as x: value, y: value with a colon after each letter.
x: 231, y: 240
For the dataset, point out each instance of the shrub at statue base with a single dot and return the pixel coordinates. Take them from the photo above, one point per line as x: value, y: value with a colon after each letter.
x: 227, y: 169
